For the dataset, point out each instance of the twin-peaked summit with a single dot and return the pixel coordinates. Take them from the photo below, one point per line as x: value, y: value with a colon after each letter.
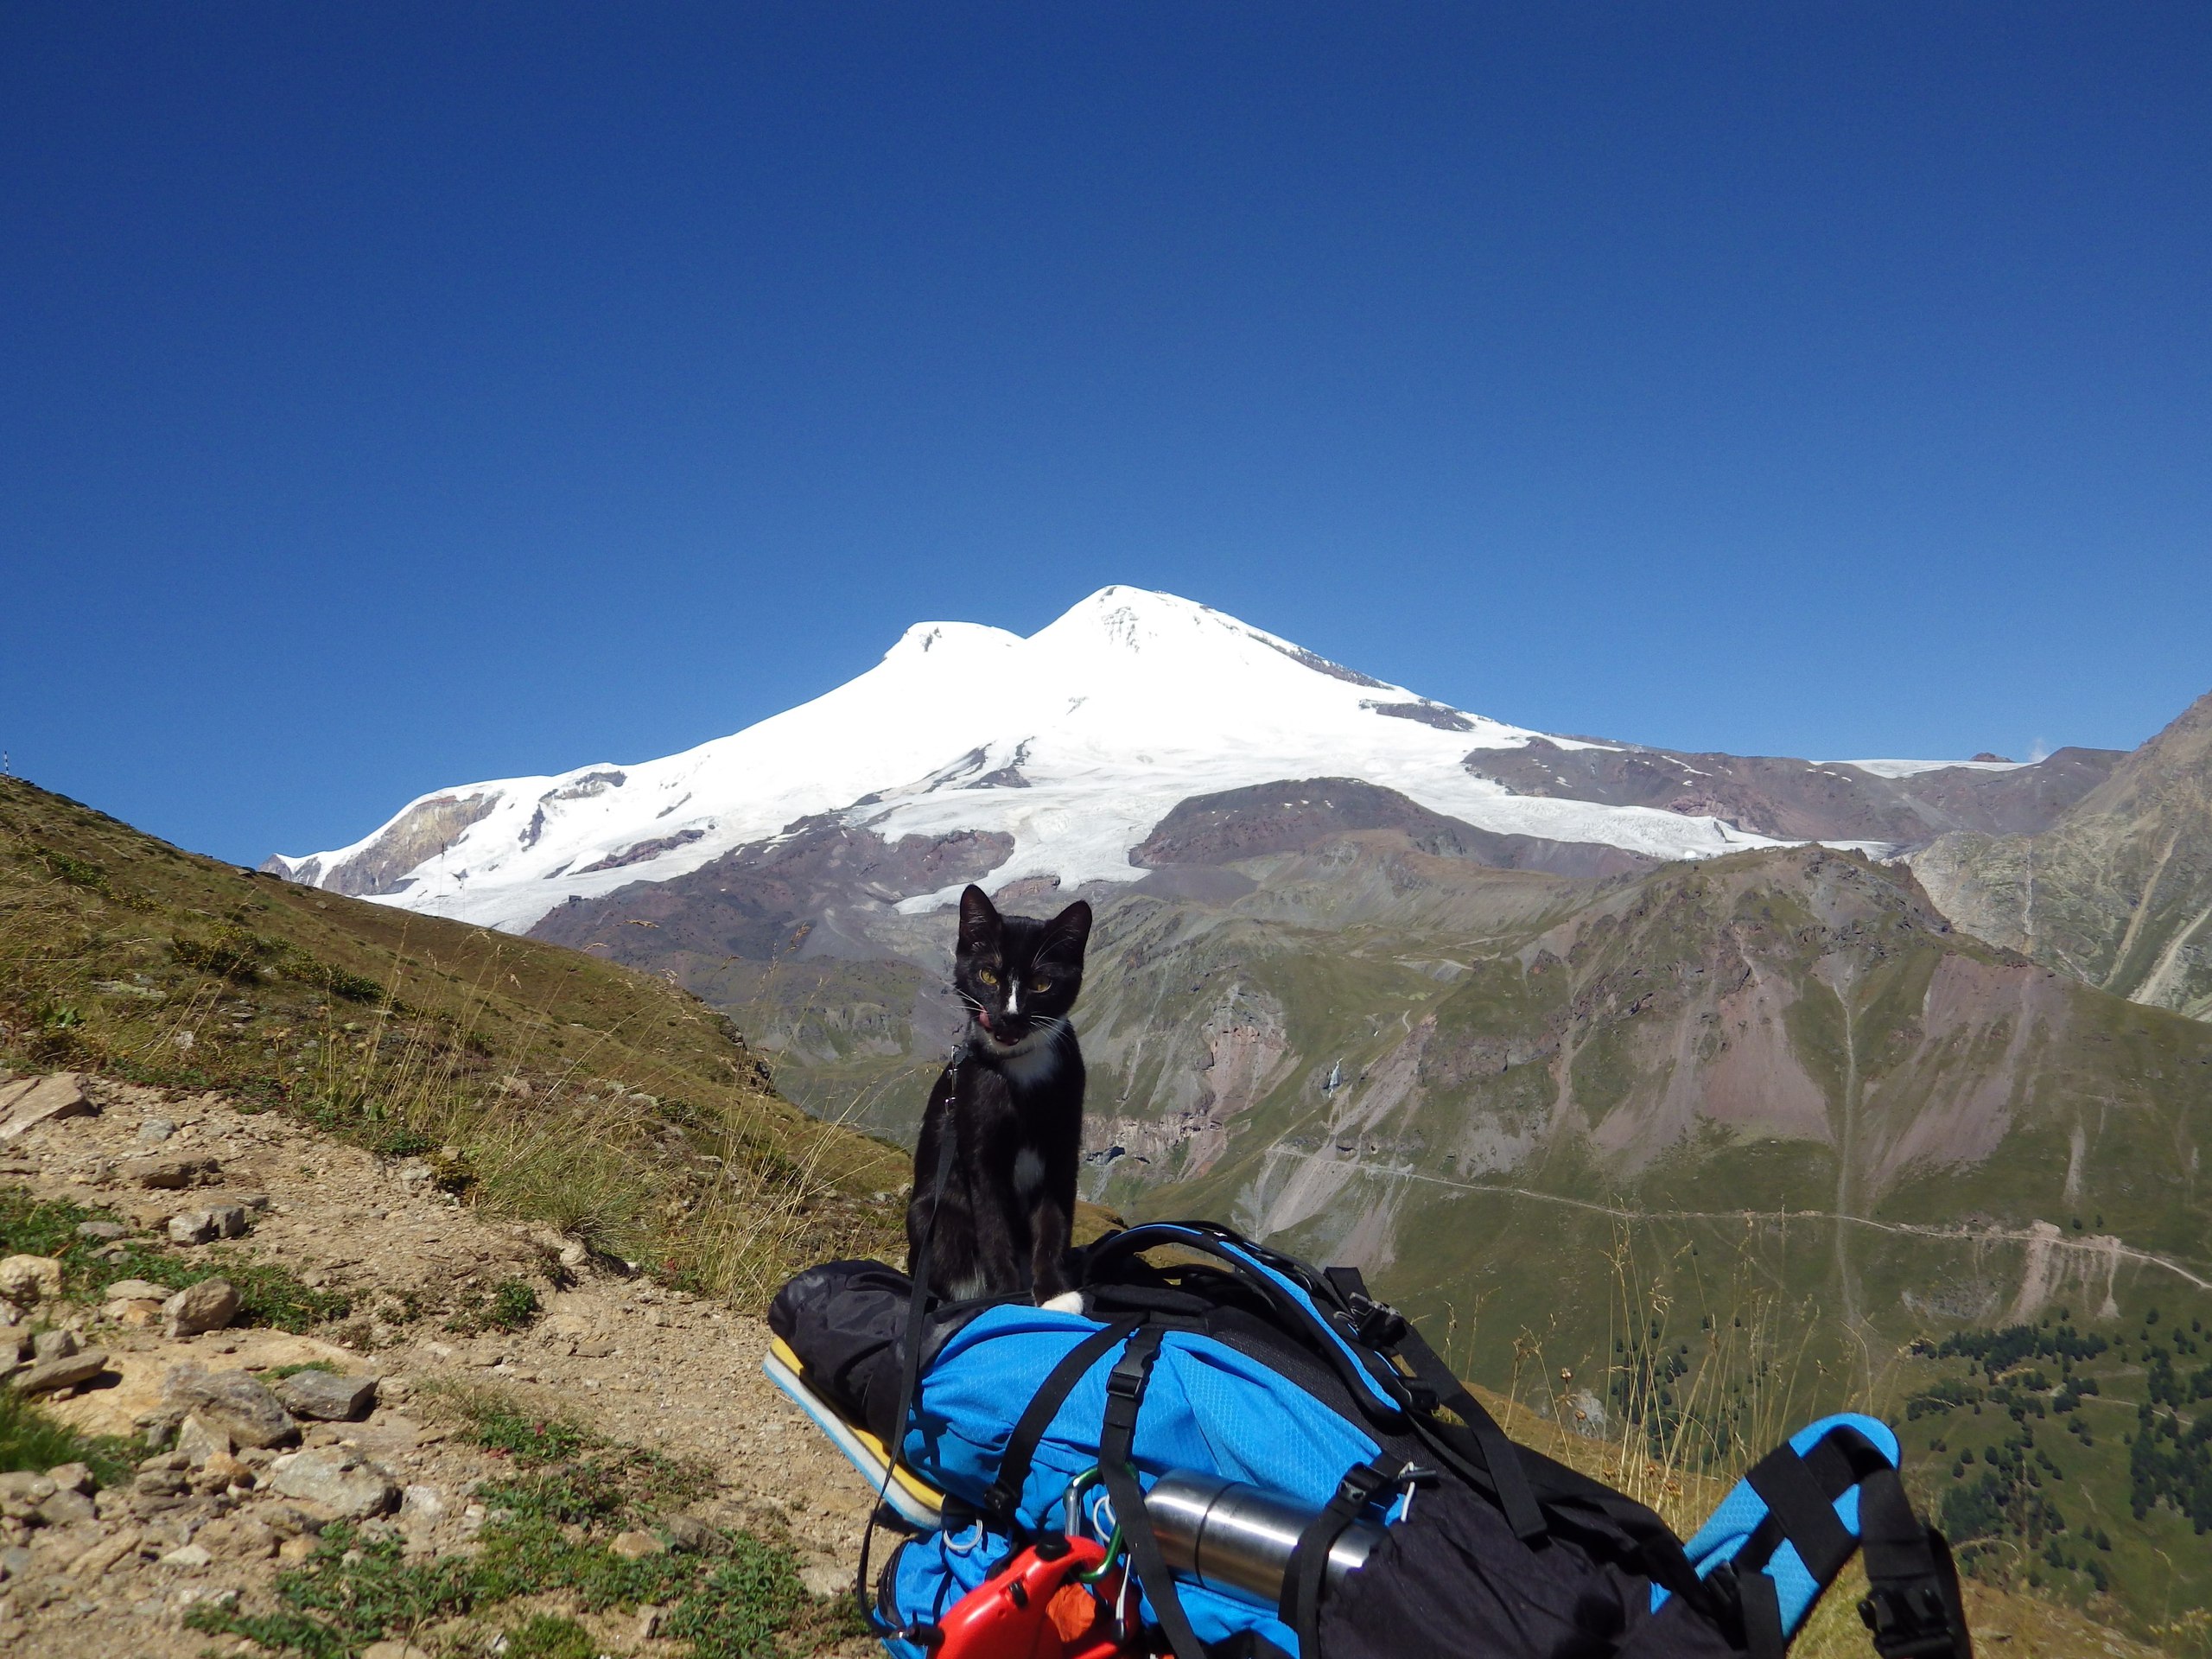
x: 1072, y: 744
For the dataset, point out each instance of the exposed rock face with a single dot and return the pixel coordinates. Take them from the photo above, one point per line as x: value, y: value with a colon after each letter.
x: 1297, y: 816
x: 423, y: 831
x: 1803, y: 799
x: 787, y: 896
x: 2118, y: 891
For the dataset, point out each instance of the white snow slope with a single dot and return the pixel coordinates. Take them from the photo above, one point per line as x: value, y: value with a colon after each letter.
x: 1129, y: 703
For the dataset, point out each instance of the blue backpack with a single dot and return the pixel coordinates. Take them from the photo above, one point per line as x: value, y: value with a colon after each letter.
x: 1229, y: 1360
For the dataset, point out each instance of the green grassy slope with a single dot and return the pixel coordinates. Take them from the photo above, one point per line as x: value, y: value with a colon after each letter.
x: 603, y: 1101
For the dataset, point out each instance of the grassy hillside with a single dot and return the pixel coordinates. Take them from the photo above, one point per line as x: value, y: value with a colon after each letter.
x: 605, y: 1103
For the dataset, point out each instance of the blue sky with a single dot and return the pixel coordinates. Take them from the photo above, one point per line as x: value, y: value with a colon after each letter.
x: 393, y: 397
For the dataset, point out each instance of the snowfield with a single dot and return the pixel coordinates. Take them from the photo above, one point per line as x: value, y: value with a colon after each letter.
x: 1075, y: 741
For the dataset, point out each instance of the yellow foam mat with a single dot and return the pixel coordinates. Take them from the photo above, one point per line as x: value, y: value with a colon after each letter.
x: 917, y: 1502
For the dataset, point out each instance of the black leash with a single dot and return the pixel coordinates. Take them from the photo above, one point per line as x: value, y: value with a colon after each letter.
x: 909, y: 1369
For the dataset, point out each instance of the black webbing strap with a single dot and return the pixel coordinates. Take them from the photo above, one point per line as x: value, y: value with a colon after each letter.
x: 910, y: 1368
x: 1913, y: 1607
x: 1125, y: 1386
x: 1308, y: 1566
x: 1760, y: 1602
x: 1796, y: 1500
x: 1495, y: 1451
x: 1005, y: 1495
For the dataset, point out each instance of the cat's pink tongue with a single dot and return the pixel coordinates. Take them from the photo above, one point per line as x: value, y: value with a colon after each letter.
x: 983, y: 1018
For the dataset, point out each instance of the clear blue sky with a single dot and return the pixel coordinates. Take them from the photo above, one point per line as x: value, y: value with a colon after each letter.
x: 392, y: 396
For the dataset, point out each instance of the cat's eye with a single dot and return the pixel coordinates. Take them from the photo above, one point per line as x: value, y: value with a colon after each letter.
x: 1040, y: 984
x: 987, y: 976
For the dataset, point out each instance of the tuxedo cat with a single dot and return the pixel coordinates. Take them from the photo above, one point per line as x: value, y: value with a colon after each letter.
x: 1012, y: 1100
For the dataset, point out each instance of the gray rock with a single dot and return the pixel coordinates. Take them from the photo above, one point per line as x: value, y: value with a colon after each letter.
x: 160, y: 1483
x: 167, y: 1174
x: 54, y: 1344
x: 232, y: 1402
x: 72, y: 1477
x: 67, y: 1510
x: 327, y: 1398
x: 51, y: 1374
x: 27, y: 1486
x: 15, y: 1560
x: 61, y: 1095
x: 136, y: 1290
x: 198, y: 1441
x: 337, y: 1478
x: 208, y: 1306
x: 194, y: 1227
x: 191, y: 1557
x: 154, y: 1130
x: 686, y: 1532
x: 102, y: 1230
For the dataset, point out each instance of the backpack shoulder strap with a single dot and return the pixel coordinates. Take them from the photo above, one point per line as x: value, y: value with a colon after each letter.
x: 1005, y: 1495
x: 1125, y: 1386
x: 1913, y: 1608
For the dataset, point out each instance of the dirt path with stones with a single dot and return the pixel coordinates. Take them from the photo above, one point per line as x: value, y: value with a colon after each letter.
x: 642, y: 1364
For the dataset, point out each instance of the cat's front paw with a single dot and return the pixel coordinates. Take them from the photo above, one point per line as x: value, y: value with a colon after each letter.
x: 1068, y: 1301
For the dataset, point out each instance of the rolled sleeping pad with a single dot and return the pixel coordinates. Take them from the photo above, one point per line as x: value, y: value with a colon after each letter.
x: 1238, y: 1539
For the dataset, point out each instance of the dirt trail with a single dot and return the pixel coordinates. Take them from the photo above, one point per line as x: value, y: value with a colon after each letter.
x: 643, y: 1365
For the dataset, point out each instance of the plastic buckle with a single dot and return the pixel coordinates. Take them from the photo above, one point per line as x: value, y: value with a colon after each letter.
x: 1376, y: 1324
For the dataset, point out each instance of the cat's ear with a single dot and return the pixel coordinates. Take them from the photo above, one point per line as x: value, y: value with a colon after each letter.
x: 1067, y: 933
x: 979, y: 919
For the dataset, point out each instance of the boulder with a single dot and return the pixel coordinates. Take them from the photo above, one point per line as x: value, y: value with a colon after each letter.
x: 27, y: 1279
x: 61, y: 1095
x: 49, y: 1374
x: 232, y: 1402
x: 208, y: 1306
x: 327, y: 1397
x: 337, y: 1478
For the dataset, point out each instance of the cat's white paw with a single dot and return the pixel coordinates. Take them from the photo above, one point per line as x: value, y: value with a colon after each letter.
x: 1068, y: 1301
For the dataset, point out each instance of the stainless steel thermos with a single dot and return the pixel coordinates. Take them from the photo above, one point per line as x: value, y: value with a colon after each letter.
x: 1238, y: 1539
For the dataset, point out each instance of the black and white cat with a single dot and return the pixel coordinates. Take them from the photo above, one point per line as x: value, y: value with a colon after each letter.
x: 1014, y: 1101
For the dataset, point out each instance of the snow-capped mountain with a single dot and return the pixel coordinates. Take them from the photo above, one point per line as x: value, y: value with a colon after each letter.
x: 1075, y: 741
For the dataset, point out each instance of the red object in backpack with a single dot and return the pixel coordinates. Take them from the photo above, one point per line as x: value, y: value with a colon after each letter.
x: 1033, y: 1606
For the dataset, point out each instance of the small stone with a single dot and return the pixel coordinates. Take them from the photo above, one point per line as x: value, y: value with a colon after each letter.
x: 199, y: 1440
x: 165, y: 1174
x: 232, y: 1402
x: 208, y: 1306
x: 16, y: 1561
x: 27, y: 1486
x: 50, y: 1375
x: 71, y: 1478
x: 61, y: 1095
x: 67, y: 1509
x: 154, y: 1130
x: 296, y: 1548
x: 191, y: 1557
x: 239, y: 1537
x: 222, y: 1474
x: 394, y: 1650
x: 136, y: 1290
x: 194, y: 1227
x: 635, y: 1545
x: 826, y: 1578
x: 229, y: 1219
x: 421, y: 1506
x: 103, y: 1231
x: 138, y: 1314
x: 54, y: 1344
x: 686, y: 1532
x: 337, y: 1478
x: 326, y: 1396
x: 27, y: 1279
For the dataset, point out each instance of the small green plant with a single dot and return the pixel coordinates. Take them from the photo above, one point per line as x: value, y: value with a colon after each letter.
x: 514, y: 1304
x: 542, y: 1635
x: 29, y: 1439
x: 277, y: 1374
